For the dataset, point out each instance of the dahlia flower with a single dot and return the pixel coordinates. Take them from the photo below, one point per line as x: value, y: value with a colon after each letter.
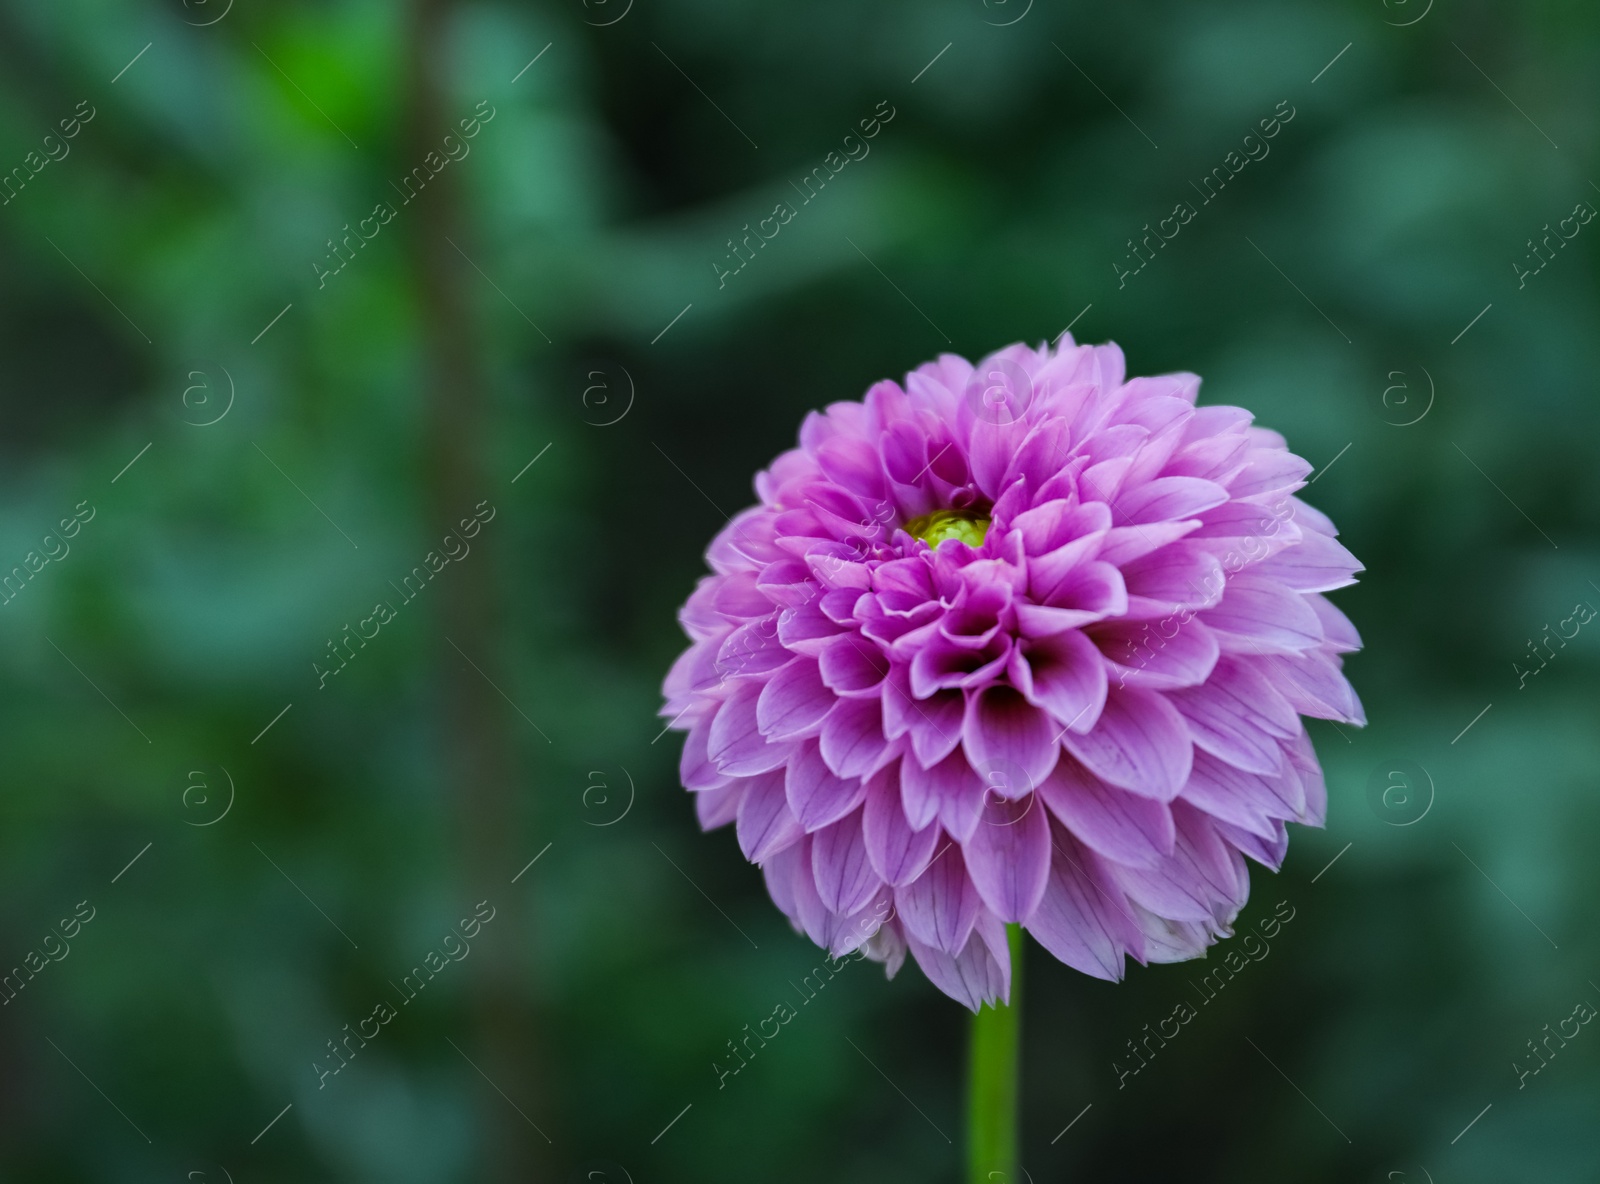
x: 1027, y: 642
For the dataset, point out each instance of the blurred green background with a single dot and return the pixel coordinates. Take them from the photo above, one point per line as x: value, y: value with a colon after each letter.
x: 249, y: 484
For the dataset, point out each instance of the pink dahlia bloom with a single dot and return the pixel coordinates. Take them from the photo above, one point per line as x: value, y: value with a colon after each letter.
x: 1027, y: 642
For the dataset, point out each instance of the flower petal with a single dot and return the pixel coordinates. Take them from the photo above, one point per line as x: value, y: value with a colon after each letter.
x: 1145, y: 654
x: 846, y: 934
x: 752, y: 650
x: 852, y: 739
x: 1082, y: 917
x: 695, y: 768
x: 949, y: 792
x: 1238, y: 716
x: 1250, y: 801
x: 1199, y: 883
x: 1124, y: 827
x: 816, y: 796
x: 1317, y: 563
x: 1340, y: 634
x: 1064, y: 674
x: 854, y: 464
x: 1313, y: 685
x: 1168, y: 499
x: 1008, y: 856
x: 932, y: 724
x: 979, y: 974
x: 899, y: 854
x: 735, y: 744
x: 1139, y: 743
x: 939, y: 907
x: 1181, y: 577
x: 844, y: 875
x: 766, y: 824
x: 793, y: 702
x: 852, y: 665
x: 1005, y: 735
x: 1258, y: 614
x: 718, y: 807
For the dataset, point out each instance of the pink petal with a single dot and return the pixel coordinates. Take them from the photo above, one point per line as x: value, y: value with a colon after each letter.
x: 778, y: 872
x: 815, y: 795
x: 1198, y: 883
x: 852, y: 739
x: 1317, y: 563
x: 853, y: 665
x: 949, y: 792
x: 1065, y: 675
x: 1314, y: 685
x: 766, y: 825
x: 1257, y: 614
x: 1124, y: 827
x: 980, y: 974
x: 1089, y: 592
x: 1245, y: 533
x: 933, y: 724
x: 787, y: 583
x: 905, y: 452
x: 1341, y: 635
x: 846, y: 934
x: 1102, y: 482
x: 844, y: 875
x: 1044, y: 453
x: 992, y: 447
x: 1048, y: 529
x: 1004, y: 734
x: 853, y: 464
x: 1217, y: 458
x: 718, y: 807
x: 695, y: 670
x: 1162, y: 655
x: 1268, y: 852
x: 939, y: 907
x: 1312, y: 518
x: 695, y: 768
x: 1181, y: 576
x: 959, y: 812
x: 735, y: 744
x: 752, y: 650
x: 1139, y: 743
x: 1304, y: 759
x: 1269, y: 471
x: 1237, y: 716
x: 745, y: 544
x: 1166, y: 940
x: 809, y: 910
x: 941, y: 664
x: 805, y: 628
x: 1008, y: 856
x: 1250, y: 801
x: 1167, y: 499
x: 793, y: 702
x: 740, y: 597
x: 1124, y: 543
x: 898, y: 853
x: 1083, y: 917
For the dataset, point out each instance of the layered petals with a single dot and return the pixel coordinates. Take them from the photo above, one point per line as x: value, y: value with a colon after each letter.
x: 1025, y: 642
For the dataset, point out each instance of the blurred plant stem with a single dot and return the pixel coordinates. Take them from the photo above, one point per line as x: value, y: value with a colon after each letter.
x: 993, y: 1081
x: 478, y: 748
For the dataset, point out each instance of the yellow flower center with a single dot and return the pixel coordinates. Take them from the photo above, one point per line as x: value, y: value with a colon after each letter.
x: 934, y: 528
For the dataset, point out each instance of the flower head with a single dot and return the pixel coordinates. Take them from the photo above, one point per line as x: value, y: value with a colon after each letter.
x: 1021, y: 642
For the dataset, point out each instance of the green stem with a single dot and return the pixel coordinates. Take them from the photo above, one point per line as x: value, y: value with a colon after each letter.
x: 993, y: 1083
